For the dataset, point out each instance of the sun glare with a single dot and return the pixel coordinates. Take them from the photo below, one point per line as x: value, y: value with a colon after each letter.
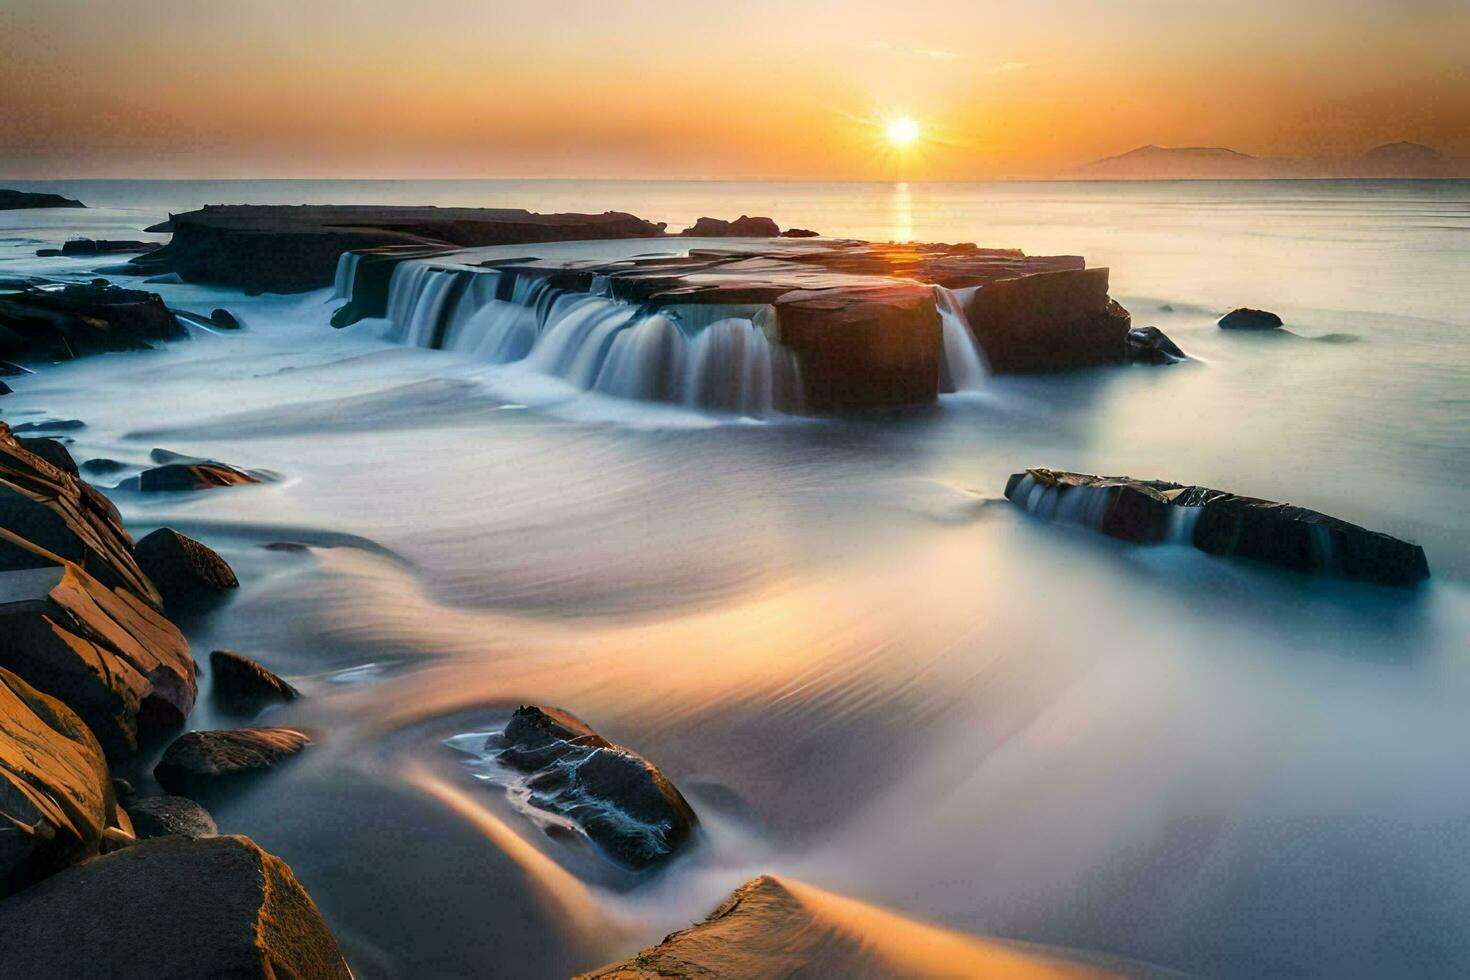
x: 902, y: 131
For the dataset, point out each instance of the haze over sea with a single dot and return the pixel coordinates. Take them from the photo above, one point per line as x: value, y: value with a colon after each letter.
x: 864, y: 668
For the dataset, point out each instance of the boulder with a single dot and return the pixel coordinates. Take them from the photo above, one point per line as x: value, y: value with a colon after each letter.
x: 1249, y: 319
x: 619, y: 799
x: 191, y: 476
x: 774, y: 927
x: 1049, y: 321
x: 89, y: 246
x: 103, y: 466
x: 223, y: 319
x: 113, y: 658
x: 55, y: 796
x: 18, y: 200
x: 1220, y: 523
x: 188, y: 574
x: 163, y: 816
x: 52, y: 452
x: 204, y: 761
x: 742, y: 227
x: 1150, y: 345
x: 242, y: 685
x: 63, y: 517
x: 170, y: 908
x: 78, y: 319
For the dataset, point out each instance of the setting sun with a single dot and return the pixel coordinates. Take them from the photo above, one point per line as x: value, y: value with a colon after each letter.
x: 902, y: 131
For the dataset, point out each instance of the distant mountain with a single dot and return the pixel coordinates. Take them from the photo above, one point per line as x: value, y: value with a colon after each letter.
x: 1391, y: 160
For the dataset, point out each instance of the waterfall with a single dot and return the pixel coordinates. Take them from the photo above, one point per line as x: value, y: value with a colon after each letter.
x: 346, y: 272
x: 704, y: 357
x: 963, y: 367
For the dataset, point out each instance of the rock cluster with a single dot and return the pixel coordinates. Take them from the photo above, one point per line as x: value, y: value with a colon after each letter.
x: 76, y: 319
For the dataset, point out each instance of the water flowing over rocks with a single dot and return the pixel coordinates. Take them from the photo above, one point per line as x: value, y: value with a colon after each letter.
x: 170, y: 907
x: 1219, y: 523
x: 772, y: 927
x: 242, y: 685
x: 188, y: 574
x: 204, y: 761
x: 56, y: 324
x: 55, y: 796
x: 18, y: 200
x: 618, y: 798
x: 1249, y: 319
x: 291, y: 249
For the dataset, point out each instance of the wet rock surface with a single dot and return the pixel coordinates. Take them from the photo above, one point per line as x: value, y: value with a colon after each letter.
x: 189, y: 575
x: 241, y: 685
x: 78, y: 319
x: 17, y: 200
x: 1150, y: 345
x: 1220, y: 523
x: 623, y: 803
x: 209, y: 760
x: 192, y: 476
x: 170, y: 816
x: 1249, y: 319
x: 170, y: 907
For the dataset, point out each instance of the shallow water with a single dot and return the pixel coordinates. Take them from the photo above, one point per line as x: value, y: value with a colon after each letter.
x: 864, y: 668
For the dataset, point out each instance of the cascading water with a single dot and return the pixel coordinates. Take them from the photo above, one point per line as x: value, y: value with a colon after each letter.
x: 346, y: 272
x: 963, y: 367
x: 591, y: 340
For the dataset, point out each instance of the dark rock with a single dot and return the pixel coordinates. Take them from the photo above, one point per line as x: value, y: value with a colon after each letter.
x: 103, y: 466
x: 203, y: 761
x: 742, y: 227
x: 52, y: 452
x: 88, y: 246
x: 1248, y: 319
x: 619, y: 799
x: 800, y: 233
x: 1150, y: 345
x: 55, y: 797
x: 5, y: 389
x: 60, y: 516
x: 124, y: 791
x: 290, y: 249
x: 18, y: 200
x: 164, y: 816
x: 1049, y: 321
x: 50, y: 425
x: 192, y: 476
x: 188, y: 574
x: 1220, y: 523
x: 241, y: 684
x: 8, y: 370
x: 224, y: 320
x: 170, y: 908
x: 82, y: 319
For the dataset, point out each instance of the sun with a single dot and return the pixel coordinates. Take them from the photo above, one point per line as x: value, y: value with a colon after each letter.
x: 902, y: 131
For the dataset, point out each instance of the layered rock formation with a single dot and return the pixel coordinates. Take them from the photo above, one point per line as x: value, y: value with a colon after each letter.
x: 60, y: 324
x: 187, y: 574
x: 771, y: 928
x: 1219, y: 523
x: 619, y: 799
x: 290, y: 249
x: 170, y: 907
x: 19, y: 200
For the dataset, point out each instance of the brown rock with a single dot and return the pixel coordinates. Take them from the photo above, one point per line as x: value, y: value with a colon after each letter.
x: 169, y: 909
x: 187, y: 574
x: 191, y: 476
x: 55, y: 795
x: 204, y: 760
x: 1049, y: 321
x: 241, y: 684
x: 53, y: 452
x: 742, y: 227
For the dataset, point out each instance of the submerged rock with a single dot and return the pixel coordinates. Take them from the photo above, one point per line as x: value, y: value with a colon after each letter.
x: 103, y: 466
x: 1248, y: 319
x: 1219, y: 523
x: 170, y: 908
x: 240, y: 684
x: 1150, y: 345
x: 202, y: 761
x: 774, y: 927
x: 191, y: 476
x: 188, y: 574
x: 618, y: 798
x: 18, y: 200
x: 170, y: 816
x: 55, y: 796
x: 78, y: 319
x: 51, y: 425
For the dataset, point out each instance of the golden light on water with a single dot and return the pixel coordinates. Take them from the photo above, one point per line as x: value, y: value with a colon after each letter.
x: 902, y: 131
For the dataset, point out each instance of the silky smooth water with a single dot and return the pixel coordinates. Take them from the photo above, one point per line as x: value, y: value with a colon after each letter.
x: 864, y: 668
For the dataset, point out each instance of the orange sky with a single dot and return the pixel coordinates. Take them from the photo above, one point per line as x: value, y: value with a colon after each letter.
x: 698, y: 89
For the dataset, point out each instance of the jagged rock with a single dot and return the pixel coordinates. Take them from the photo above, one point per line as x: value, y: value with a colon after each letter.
x: 742, y: 227
x: 1049, y: 321
x: 113, y: 658
x: 241, y: 684
x: 55, y: 797
x: 1248, y: 319
x: 170, y: 908
x: 1150, y: 345
x: 17, y: 200
x: 65, y: 517
x: 774, y: 927
x: 163, y: 816
x: 188, y: 574
x: 1219, y: 523
x: 82, y: 319
x: 619, y: 799
x: 289, y: 249
x: 52, y: 452
x: 203, y: 761
x: 191, y: 476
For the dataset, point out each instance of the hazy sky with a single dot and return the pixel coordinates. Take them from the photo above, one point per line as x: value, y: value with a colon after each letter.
x: 700, y: 89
